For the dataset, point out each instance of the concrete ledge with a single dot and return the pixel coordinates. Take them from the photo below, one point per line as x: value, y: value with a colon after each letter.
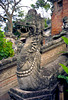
x: 8, y: 77
x: 52, y: 53
x: 5, y: 63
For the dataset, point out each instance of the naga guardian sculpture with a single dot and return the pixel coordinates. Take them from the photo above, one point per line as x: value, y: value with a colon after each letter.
x: 29, y: 72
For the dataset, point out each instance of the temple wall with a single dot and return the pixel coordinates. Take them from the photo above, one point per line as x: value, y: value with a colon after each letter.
x: 8, y: 78
x: 52, y: 54
x: 57, y: 23
x: 57, y: 17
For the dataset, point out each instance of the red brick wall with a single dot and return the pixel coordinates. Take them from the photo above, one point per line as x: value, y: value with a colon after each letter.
x: 57, y: 17
x: 65, y: 8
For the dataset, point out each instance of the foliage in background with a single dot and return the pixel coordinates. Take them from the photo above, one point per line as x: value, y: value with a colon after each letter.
x: 5, y: 47
x: 46, y: 23
x: 18, y: 23
x: 19, y: 18
x: 41, y: 3
x: 8, y: 7
x: 20, y: 13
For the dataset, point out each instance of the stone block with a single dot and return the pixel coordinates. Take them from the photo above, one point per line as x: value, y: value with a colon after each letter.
x: 45, y: 94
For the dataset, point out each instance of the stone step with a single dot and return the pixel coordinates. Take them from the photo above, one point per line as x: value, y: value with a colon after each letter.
x: 18, y: 94
x: 42, y: 97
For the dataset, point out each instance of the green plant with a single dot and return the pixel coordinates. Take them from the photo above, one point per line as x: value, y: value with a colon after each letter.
x: 5, y: 47
x: 63, y: 76
x: 63, y: 66
x: 65, y: 39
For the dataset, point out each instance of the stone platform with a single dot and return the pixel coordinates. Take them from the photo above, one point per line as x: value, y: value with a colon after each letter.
x: 45, y: 94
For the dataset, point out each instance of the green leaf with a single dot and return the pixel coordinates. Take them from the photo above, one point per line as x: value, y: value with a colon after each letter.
x: 64, y: 67
x: 67, y: 90
x: 63, y: 77
x: 47, y: 6
x: 63, y: 52
x: 65, y: 39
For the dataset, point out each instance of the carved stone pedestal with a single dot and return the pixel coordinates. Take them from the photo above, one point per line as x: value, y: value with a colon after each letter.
x: 45, y: 94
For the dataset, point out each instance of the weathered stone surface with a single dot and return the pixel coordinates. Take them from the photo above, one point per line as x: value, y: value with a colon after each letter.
x: 51, y: 53
x: 8, y: 62
x: 45, y: 94
x: 28, y: 63
x: 65, y: 21
x: 51, y: 44
x: 35, y: 19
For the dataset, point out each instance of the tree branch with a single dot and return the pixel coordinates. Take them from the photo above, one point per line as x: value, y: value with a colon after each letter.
x: 1, y: 2
x: 4, y: 8
x: 3, y: 21
x: 7, y: 5
x: 18, y: 2
x: 15, y: 3
x: 4, y: 17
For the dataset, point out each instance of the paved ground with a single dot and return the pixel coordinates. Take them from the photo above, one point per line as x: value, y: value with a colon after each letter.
x: 5, y: 97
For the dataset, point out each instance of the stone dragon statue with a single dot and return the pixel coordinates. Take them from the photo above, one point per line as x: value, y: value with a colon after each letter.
x: 29, y: 72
